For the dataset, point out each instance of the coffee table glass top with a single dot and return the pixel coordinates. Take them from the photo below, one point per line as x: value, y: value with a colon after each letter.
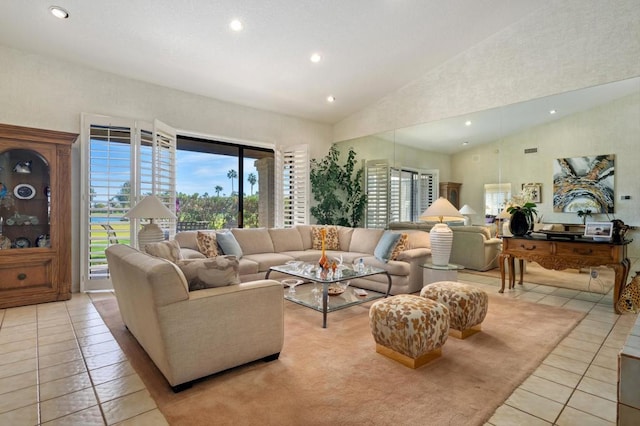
x: 307, y: 271
x: 449, y: 267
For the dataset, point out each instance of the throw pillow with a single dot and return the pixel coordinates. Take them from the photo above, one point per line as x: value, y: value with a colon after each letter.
x: 219, y: 271
x: 401, y: 246
x: 229, y: 245
x: 207, y: 243
x: 331, y: 241
x: 169, y: 250
x: 385, y: 246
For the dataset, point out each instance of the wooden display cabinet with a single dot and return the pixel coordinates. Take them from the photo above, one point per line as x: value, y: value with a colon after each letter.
x: 35, y: 207
x: 451, y: 191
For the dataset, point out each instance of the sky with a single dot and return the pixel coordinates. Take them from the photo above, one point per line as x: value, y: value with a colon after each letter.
x: 200, y: 172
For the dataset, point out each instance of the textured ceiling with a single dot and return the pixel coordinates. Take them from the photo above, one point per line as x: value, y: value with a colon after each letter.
x: 369, y: 47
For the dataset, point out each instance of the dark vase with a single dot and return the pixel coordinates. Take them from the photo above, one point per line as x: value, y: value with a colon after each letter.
x: 520, y: 224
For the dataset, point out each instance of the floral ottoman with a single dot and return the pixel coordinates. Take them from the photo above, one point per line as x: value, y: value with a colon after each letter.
x: 467, y: 305
x: 409, y: 329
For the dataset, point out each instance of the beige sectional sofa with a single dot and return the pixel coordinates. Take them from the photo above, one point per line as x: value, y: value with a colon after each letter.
x: 190, y: 335
x: 474, y: 247
x: 263, y: 248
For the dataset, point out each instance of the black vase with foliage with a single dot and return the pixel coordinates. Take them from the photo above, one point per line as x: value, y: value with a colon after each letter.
x: 337, y: 190
x: 522, y: 219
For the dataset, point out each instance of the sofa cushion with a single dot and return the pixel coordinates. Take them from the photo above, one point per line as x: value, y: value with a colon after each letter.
x: 386, y: 245
x: 219, y: 271
x: 305, y: 234
x: 331, y: 241
x: 253, y: 240
x: 344, y: 236
x: 287, y: 239
x: 365, y: 240
x: 417, y: 239
x: 400, y: 246
x: 207, y: 243
x: 169, y: 250
x: 267, y: 260
x: 229, y: 244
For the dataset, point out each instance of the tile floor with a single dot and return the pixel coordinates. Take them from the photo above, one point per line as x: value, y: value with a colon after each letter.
x: 59, y: 365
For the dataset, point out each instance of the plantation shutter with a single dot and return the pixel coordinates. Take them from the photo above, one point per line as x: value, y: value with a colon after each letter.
x: 295, y: 193
x: 377, y: 187
x: 122, y: 161
x: 427, y: 184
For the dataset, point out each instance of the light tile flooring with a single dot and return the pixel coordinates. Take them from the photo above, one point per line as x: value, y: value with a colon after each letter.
x: 59, y: 365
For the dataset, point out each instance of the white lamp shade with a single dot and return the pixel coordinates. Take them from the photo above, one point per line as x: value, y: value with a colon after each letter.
x: 466, y: 210
x: 441, y: 210
x: 150, y: 207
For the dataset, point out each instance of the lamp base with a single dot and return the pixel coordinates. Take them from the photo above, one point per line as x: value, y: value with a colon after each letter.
x: 441, y: 237
x: 150, y: 233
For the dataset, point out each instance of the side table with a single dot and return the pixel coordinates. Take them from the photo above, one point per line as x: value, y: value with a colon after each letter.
x: 434, y: 273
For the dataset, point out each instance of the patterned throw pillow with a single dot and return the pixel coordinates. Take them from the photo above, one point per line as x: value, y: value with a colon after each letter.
x: 331, y: 241
x: 169, y: 250
x: 207, y: 243
x: 400, y: 246
x: 219, y: 271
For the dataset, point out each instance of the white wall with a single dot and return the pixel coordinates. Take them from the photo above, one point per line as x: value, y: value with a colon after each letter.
x: 612, y: 128
x: 41, y: 92
x: 568, y: 45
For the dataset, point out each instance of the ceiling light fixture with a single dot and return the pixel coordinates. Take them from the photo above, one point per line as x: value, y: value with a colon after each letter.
x: 59, y: 12
x: 315, y: 58
x: 553, y: 111
x: 467, y: 123
x: 465, y: 143
x: 331, y: 98
x: 236, y: 25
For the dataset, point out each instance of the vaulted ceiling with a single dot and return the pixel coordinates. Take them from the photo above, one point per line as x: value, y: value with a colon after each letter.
x: 368, y: 48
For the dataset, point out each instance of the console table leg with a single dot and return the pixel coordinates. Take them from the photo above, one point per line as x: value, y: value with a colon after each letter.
x: 502, y: 259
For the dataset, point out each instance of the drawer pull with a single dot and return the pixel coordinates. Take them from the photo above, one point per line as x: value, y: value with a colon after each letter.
x: 533, y: 247
x: 22, y: 276
x: 583, y: 252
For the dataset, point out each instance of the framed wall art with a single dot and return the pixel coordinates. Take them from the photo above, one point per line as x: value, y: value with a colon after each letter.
x: 533, y: 191
x: 584, y: 183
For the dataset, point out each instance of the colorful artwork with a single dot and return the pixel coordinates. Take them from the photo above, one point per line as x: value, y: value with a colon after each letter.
x: 584, y: 183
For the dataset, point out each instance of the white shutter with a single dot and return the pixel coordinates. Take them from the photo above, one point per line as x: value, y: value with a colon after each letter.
x: 293, y: 163
x: 121, y: 163
x: 377, y: 187
x: 427, y: 184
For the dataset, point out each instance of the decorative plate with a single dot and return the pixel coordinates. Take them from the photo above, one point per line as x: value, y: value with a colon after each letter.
x: 43, y: 241
x: 24, y: 191
x: 22, y: 242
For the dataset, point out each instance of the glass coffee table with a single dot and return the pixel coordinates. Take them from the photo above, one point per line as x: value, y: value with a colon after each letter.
x: 314, y: 292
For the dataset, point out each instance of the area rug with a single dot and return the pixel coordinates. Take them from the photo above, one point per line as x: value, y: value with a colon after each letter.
x: 600, y: 282
x: 334, y: 376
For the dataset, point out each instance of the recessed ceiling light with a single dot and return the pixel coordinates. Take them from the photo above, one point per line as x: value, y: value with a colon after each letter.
x: 553, y: 111
x: 467, y: 123
x: 59, y: 12
x: 315, y: 58
x: 236, y: 25
x: 331, y: 98
x: 465, y: 143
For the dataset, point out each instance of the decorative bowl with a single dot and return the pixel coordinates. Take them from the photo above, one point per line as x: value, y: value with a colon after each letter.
x: 336, y: 289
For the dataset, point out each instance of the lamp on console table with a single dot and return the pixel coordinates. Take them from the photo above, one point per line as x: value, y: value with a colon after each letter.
x: 466, y: 210
x: 150, y: 207
x: 441, y: 235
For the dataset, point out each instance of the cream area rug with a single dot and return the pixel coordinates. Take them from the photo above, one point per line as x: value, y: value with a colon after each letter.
x: 598, y: 279
x: 334, y: 376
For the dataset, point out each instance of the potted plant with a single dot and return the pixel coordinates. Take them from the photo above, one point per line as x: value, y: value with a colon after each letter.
x: 583, y: 214
x: 522, y: 218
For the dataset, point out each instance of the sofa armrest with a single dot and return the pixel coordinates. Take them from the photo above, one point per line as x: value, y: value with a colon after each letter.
x: 219, y: 328
x: 408, y: 255
x: 188, y: 253
x: 493, y: 242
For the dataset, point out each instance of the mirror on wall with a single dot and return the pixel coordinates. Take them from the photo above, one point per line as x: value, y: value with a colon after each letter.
x: 519, y: 143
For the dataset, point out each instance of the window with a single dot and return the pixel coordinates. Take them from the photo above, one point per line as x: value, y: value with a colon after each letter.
x: 122, y: 161
x: 397, y: 194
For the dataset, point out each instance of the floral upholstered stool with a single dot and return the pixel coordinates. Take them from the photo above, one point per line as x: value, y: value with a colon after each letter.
x: 467, y: 305
x: 409, y: 329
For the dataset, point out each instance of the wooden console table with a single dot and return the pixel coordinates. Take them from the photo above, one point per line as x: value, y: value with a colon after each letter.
x: 562, y: 254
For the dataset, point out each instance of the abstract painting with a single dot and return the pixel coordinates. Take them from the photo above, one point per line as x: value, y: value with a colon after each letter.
x: 584, y: 183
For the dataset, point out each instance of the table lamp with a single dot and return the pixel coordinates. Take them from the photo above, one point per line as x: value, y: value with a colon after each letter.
x: 466, y: 210
x: 441, y: 235
x: 150, y: 207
